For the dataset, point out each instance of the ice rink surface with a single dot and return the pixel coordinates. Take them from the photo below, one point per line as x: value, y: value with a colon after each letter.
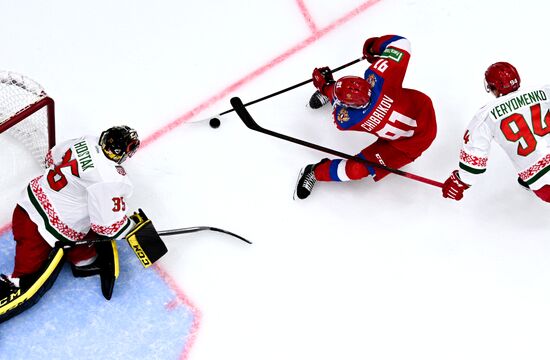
x: 357, y: 271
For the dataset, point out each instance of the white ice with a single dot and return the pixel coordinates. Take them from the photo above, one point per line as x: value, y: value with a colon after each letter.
x: 357, y: 271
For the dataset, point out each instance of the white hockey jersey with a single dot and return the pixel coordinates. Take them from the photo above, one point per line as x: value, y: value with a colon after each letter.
x: 520, y: 123
x: 81, y: 190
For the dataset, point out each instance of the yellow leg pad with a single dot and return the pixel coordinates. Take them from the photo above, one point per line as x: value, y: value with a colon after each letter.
x: 25, y: 299
x: 115, y: 259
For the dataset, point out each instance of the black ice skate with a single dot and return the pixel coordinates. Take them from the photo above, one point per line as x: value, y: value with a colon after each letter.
x: 306, y: 182
x: 9, y: 292
x: 7, y: 288
x: 317, y: 100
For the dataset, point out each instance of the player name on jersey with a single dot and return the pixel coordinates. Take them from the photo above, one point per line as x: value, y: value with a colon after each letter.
x: 83, y: 155
x: 378, y: 114
x: 515, y: 103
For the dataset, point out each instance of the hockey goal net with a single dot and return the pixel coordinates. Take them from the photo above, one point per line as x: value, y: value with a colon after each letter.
x: 27, y: 114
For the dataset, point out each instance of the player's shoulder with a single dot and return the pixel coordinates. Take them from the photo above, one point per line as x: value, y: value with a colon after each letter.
x: 109, y: 171
x: 95, y: 166
x: 481, y: 118
x: 546, y: 89
x: 399, y: 42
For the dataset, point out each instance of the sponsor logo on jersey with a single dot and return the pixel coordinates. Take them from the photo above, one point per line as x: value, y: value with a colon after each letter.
x: 391, y: 53
x: 378, y: 114
x: 515, y: 103
x: 343, y: 115
x: 83, y: 155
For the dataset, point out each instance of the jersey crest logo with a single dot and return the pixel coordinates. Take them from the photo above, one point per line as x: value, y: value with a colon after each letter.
x: 371, y: 79
x: 120, y: 170
x: 466, y: 136
x: 343, y: 115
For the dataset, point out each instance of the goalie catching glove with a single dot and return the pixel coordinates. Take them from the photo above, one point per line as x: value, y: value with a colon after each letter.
x: 144, y: 240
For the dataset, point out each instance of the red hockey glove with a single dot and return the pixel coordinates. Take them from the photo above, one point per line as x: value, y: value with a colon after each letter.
x: 368, y: 52
x: 454, y: 187
x: 322, y: 77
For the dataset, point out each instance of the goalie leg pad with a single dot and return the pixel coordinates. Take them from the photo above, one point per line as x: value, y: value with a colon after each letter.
x: 145, y: 241
x: 108, y: 255
x: 106, y: 265
x: 16, y: 299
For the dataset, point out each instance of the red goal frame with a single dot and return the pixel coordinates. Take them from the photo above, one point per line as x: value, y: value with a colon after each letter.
x: 31, y: 109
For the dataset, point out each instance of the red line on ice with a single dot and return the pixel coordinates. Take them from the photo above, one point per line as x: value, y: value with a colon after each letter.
x: 184, y: 299
x: 4, y: 229
x: 256, y: 73
x: 307, y: 16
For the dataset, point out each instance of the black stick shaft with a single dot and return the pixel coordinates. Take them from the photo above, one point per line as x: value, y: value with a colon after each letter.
x: 165, y: 233
x: 245, y: 116
x: 291, y: 87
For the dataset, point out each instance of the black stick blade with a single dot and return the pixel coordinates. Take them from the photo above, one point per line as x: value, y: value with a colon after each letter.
x: 243, y: 114
x: 200, y: 228
x: 230, y: 233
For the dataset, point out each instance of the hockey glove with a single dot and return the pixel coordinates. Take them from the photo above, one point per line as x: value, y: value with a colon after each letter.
x: 322, y: 77
x: 453, y: 187
x: 144, y: 240
x: 368, y: 51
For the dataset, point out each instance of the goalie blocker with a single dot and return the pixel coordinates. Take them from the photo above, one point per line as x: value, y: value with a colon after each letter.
x: 145, y: 240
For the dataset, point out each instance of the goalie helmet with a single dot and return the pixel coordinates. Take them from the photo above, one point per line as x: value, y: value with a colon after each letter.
x: 352, y: 91
x: 502, y: 77
x: 119, y: 143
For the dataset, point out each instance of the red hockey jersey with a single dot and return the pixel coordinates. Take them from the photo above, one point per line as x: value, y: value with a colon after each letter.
x: 404, y: 116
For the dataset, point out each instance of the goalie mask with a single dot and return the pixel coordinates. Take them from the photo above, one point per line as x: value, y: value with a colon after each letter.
x: 352, y: 91
x: 119, y: 143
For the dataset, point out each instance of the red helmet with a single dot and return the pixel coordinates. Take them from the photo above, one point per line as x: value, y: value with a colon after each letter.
x: 503, y: 77
x: 352, y: 91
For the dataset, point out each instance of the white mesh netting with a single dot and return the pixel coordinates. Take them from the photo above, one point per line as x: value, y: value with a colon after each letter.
x: 18, y: 92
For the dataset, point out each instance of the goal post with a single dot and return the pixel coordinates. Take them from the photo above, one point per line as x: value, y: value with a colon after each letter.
x: 27, y: 113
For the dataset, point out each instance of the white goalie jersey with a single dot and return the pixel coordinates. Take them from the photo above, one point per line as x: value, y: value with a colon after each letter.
x: 81, y: 190
x: 520, y: 123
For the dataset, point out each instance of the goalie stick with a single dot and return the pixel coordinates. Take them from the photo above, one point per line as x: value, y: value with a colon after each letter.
x: 247, y: 119
x: 164, y: 233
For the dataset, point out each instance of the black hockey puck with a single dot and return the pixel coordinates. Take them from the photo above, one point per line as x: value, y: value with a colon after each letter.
x: 215, y: 123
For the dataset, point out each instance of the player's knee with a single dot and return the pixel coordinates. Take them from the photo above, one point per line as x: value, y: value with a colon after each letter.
x: 82, y: 255
x: 356, y: 170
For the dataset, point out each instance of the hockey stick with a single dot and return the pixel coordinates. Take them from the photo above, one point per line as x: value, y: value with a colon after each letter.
x: 280, y: 91
x: 247, y: 119
x: 162, y: 233
x: 201, y: 228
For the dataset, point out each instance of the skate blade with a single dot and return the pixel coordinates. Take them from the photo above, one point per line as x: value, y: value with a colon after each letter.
x: 295, y: 196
